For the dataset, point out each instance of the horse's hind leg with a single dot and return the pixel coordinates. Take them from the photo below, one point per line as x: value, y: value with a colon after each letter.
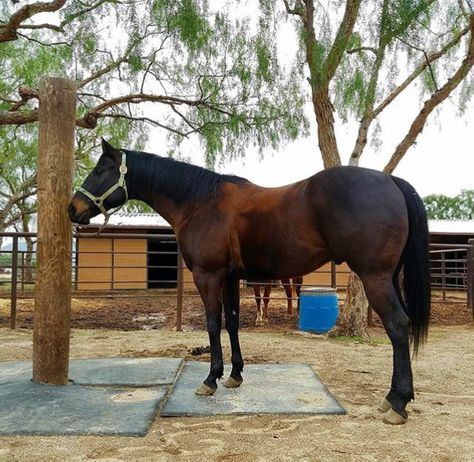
x: 297, y: 283
x: 383, y: 299
x: 267, y: 289
x: 231, y: 311
x: 258, y: 301
x: 289, y: 295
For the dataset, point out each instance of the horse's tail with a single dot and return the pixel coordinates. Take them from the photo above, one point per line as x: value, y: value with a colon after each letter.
x: 416, y: 266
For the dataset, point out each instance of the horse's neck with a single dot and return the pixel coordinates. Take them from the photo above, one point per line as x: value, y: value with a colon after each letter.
x: 143, y: 186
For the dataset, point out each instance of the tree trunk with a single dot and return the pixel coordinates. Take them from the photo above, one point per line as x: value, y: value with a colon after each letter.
x: 324, y: 111
x: 353, y: 318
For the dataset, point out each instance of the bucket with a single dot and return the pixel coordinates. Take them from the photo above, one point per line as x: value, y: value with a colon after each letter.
x: 318, y: 309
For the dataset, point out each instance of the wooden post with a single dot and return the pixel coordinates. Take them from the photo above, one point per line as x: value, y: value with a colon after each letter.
x: 51, y: 329
x: 470, y: 276
x: 14, y: 281
x: 179, y: 299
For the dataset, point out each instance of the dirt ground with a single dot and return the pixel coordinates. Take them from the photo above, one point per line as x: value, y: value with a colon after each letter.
x: 142, y: 311
x: 440, y: 427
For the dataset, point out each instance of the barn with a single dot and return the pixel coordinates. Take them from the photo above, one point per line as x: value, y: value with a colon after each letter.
x: 138, y: 251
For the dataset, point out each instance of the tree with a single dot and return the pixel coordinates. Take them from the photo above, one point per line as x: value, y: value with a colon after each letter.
x: 207, y: 75
x: 354, y: 62
x: 441, y: 207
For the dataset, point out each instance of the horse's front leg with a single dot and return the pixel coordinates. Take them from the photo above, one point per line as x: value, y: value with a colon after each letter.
x: 210, y: 286
x: 231, y: 310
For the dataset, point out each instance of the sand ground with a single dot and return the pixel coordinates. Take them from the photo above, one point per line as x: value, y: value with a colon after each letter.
x: 440, y: 427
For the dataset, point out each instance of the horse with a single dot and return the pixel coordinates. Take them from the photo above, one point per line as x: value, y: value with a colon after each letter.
x: 291, y: 286
x: 230, y: 229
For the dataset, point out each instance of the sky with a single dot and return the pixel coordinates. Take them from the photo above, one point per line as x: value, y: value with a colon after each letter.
x: 441, y: 161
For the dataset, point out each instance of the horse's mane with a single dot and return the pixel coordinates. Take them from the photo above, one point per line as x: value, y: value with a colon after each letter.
x: 182, y: 181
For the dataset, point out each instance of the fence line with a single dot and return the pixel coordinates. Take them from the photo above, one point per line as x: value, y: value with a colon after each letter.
x: 452, y: 270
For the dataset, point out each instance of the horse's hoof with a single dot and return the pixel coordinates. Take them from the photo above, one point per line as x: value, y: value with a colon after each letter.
x: 232, y: 383
x: 394, y: 418
x: 385, y: 406
x: 205, y: 390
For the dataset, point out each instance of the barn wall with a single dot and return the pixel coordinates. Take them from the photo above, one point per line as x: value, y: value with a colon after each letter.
x: 130, y: 257
x: 130, y: 261
x: 94, y: 271
x: 322, y: 277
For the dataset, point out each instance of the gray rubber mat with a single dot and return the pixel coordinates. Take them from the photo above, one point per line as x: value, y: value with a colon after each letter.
x: 267, y: 389
x: 111, y: 396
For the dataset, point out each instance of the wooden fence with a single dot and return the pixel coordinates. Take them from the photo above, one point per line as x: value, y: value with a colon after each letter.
x: 123, y: 268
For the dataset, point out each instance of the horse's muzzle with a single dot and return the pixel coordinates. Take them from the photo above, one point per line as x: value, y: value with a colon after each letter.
x: 79, y: 212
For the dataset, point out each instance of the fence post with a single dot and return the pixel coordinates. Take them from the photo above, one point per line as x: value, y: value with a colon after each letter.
x: 333, y: 275
x: 470, y: 276
x: 14, y: 281
x: 443, y: 274
x: 51, y: 327
x: 179, y: 298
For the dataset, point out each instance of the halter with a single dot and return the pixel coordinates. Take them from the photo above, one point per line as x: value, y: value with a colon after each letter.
x: 99, y: 201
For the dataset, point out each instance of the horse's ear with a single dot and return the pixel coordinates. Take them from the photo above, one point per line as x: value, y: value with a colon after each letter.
x: 109, y: 150
x: 106, y: 147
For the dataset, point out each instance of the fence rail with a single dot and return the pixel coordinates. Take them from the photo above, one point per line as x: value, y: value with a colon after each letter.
x: 124, y: 272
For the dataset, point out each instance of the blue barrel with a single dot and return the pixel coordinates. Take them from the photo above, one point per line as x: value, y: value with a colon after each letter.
x: 318, y: 309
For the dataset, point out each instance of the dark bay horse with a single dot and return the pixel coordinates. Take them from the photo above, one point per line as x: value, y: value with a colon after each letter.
x: 230, y: 229
x: 292, y: 289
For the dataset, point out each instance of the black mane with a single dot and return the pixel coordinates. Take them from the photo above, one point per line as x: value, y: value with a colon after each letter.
x: 179, y: 180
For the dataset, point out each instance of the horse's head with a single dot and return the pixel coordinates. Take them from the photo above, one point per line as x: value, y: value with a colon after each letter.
x: 104, y: 190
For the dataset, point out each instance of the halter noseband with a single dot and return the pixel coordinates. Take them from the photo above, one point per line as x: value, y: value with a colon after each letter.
x: 99, y: 201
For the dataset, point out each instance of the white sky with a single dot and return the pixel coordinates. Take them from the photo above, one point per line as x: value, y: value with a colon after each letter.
x: 442, y: 160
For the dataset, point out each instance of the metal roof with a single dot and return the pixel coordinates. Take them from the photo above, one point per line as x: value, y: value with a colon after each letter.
x: 132, y: 220
x: 463, y: 227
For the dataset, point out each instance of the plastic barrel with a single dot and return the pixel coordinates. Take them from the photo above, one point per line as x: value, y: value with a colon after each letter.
x: 318, y: 309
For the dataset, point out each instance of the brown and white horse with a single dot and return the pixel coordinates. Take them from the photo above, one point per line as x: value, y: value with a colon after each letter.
x: 292, y: 289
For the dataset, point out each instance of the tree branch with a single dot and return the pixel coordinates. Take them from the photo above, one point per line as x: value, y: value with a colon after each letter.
x: 342, y: 38
x: 436, y: 99
x: 297, y: 10
x: 419, y: 69
x: 8, y: 31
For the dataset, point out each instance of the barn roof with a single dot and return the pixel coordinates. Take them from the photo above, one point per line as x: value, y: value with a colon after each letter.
x: 153, y: 220
x: 132, y: 220
x: 464, y: 227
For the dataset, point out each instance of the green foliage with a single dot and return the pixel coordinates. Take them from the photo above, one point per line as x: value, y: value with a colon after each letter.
x: 180, y: 48
x: 441, y: 207
x: 186, y: 19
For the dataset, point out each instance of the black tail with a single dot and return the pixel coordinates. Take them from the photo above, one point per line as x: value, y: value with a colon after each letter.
x: 416, y: 261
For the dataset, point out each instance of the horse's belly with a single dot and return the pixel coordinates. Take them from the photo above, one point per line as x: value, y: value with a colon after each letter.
x: 270, y: 263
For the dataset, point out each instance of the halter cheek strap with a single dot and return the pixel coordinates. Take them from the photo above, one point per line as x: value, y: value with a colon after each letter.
x: 99, y: 201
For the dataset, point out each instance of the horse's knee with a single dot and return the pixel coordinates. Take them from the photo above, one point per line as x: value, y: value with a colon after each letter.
x: 213, y: 326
